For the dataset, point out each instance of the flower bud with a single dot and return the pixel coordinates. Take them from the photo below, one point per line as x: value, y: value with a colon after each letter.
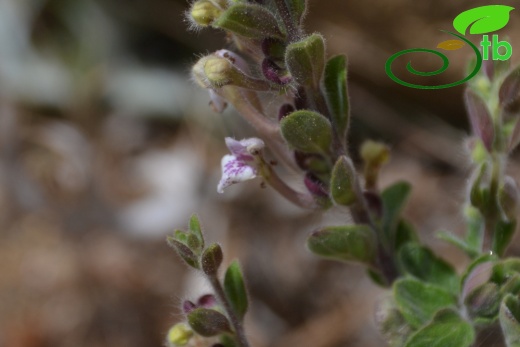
x: 188, y: 306
x: 211, y: 259
x: 207, y: 301
x: 274, y: 73
x: 508, y: 197
x: 207, y: 322
x: 205, y: 12
x: 178, y: 335
x: 315, y: 186
x: 214, y: 72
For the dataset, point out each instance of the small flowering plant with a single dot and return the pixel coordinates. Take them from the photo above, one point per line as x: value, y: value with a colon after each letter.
x: 429, y: 303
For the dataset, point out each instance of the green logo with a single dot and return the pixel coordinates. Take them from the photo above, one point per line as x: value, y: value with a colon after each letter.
x: 479, y: 20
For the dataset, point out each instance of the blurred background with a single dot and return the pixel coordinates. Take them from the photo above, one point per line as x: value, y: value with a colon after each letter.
x: 106, y: 147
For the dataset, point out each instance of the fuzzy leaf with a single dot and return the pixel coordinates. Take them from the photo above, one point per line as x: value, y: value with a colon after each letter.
x: 484, y: 301
x: 305, y: 60
x: 447, y: 329
x: 307, y: 131
x: 419, y: 301
x: 394, y: 198
x: 342, y: 184
x: 483, y: 19
x: 480, y: 118
x: 211, y: 259
x: 347, y: 243
x: 502, y: 236
x: 196, y: 229
x: 208, y: 322
x: 510, y: 320
x: 297, y: 8
x: 184, y: 252
x: 235, y: 289
x: 421, y: 263
x: 336, y: 92
x: 249, y: 20
x: 509, y: 93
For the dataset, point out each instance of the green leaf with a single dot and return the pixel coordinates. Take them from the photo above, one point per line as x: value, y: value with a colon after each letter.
x: 211, y: 259
x: 421, y: 263
x: 249, y: 20
x: 457, y: 242
x: 297, y: 9
x: 235, y: 289
x: 483, y: 19
x: 509, y: 93
x: 511, y: 286
x: 342, y: 183
x: 447, y: 329
x: 305, y: 60
x: 208, y: 322
x: 505, y: 269
x: 394, y: 199
x: 195, y: 228
x: 307, y: 131
x: 347, y: 243
x: 475, y: 225
x: 477, y: 273
x: 504, y: 231
x: 404, y: 234
x: 419, y: 301
x: 336, y: 92
x: 184, y: 252
x: 391, y: 323
x: 227, y: 340
x: 483, y: 301
x: 510, y: 320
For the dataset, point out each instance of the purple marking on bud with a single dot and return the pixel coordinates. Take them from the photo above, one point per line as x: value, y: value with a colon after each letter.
x: 188, y: 306
x: 285, y: 110
x: 273, y: 72
x: 207, y: 301
x: 315, y: 186
x: 235, y: 59
x: 480, y: 118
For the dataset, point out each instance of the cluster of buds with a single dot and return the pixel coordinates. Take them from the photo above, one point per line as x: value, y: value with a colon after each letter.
x: 214, y: 320
x: 493, y: 104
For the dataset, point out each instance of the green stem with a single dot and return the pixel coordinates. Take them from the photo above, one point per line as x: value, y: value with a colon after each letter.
x: 293, y: 32
x: 235, y: 322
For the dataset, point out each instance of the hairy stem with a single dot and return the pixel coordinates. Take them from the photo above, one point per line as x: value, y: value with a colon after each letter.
x: 292, y: 31
x: 235, y: 322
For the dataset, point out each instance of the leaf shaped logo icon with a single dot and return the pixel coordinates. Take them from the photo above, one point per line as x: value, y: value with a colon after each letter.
x: 451, y: 45
x: 482, y: 20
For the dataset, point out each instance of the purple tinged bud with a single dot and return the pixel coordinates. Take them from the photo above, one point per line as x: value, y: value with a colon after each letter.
x: 207, y: 301
x: 285, y: 110
x: 509, y: 93
x: 273, y: 72
x: 188, y: 306
x: 480, y: 118
x: 315, y: 186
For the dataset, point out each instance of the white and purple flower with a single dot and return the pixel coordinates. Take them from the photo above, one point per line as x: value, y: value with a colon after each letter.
x: 242, y: 164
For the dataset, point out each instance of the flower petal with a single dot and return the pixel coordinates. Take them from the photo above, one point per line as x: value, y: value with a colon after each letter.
x: 245, y: 149
x: 234, y: 171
